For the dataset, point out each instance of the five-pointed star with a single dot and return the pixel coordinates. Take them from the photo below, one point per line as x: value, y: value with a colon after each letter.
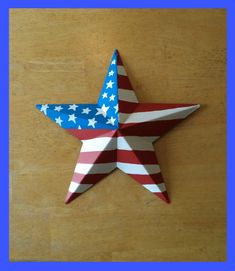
x: 92, y: 122
x: 72, y: 118
x: 73, y: 107
x: 86, y: 110
x: 111, y: 121
x: 109, y: 84
x: 102, y: 111
x: 58, y: 108
x: 111, y: 73
x: 58, y: 121
x: 118, y: 136
x: 44, y: 108
x: 105, y: 95
x: 111, y: 98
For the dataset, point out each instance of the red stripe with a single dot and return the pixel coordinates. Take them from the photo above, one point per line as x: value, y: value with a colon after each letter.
x: 146, y: 107
x: 126, y: 107
x: 137, y: 157
x: 91, y: 133
x: 88, y: 178
x: 164, y: 196
x: 119, y: 60
x: 125, y: 156
x: 123, y: 82
x: 151, y: 128
x: 148, y: 179
x: 97, y: 157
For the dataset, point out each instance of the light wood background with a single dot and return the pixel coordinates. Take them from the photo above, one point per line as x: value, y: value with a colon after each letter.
x: 61, y: 56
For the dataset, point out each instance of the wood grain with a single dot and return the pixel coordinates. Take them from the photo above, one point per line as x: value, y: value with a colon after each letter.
x: 61, y: 56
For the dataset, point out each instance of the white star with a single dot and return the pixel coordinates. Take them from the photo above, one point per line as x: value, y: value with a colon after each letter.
x: 72, y: 118
x: 79, y: 127
x: 73, y: 107
x: 109, y: 84
x: 116, y: 108
x: 86, y: 110
x: 102, y: 111
x: 105, y: 95
x: 58, y: 108
x: 58, y: 120
x: 111, y: 121
x: 111, y: 98
x: 113, y: 62
x: 92, y: 122
x: 111, y: 73
x: 44, y: 108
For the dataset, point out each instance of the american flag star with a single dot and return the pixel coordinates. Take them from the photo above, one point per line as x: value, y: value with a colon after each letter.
x: 117, y: 133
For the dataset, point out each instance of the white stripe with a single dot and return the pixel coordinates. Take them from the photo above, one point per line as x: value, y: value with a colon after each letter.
x: 127, y: 95
x: 121, y: 70
x: 122, y: 143
x: 167, y: 114
x: 94, y: 168
x: 99, y: 144
x: 155, y: 188
x: 78, y: 188
x: 136, y: 143
x: 138, y: 169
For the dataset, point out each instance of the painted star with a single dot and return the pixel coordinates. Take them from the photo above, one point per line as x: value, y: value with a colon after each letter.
x: 58, y: 108
x: 72, y: 118
x: 111, y: 98
x: 73, y: 107
x: 111, y: 73
x: 102, y: 111
x: 111, y: 121
x: 86, y: 110
x: 44, y: 108
x: 116, y: 108
x: 109, y: 84
x: 58, y: 121
x: 118, y: 136
x: 105, y: 95
x: 92, y: 122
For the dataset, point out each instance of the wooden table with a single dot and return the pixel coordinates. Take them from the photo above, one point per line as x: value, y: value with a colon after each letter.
x: 171, y: 56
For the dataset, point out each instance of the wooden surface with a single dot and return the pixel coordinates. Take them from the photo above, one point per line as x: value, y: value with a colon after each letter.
x: 61, y: 56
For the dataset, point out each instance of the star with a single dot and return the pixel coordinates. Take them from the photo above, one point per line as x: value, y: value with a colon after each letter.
x: 111, y: 121
x: 86, y: 110
x: 118, y: 134
x: 116, y: 108
x: 58, y: 108
x: 109, y: 84
x: 92, y: 122
x: 102, y: 111
x: 72, y: 118
x: 111, y: 98
x: 44, y: 108
x: 58, y: 120
x: 105, y: 95
x: 111, y: 73
x: 73, y: 107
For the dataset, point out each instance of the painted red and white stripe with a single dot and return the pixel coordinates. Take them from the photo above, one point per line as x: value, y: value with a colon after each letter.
x: 130, y: 147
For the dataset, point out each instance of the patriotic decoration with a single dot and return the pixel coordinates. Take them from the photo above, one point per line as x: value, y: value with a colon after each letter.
x: 117, y: 132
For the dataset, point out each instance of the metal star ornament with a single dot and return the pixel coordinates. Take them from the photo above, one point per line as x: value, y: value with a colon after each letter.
x: 117, y: 132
